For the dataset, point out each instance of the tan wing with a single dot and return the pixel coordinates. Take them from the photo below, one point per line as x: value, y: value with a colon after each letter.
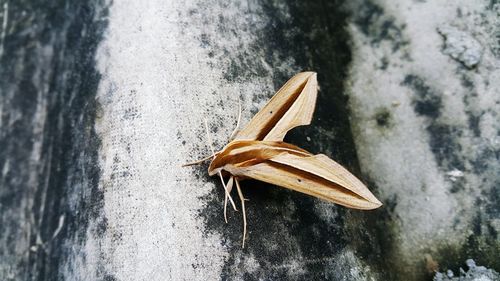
x: 293, y: 105
x: 316, y: 175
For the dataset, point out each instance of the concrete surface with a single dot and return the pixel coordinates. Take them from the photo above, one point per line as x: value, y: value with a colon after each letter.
x: 101, y: 102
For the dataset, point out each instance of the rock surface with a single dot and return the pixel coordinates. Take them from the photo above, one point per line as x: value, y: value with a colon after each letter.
x: 101, y: 102
x: 461, y: 46
x: 475, y: 273
x: 426, y: 129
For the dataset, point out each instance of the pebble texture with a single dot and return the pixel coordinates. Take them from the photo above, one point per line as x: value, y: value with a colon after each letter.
x: 102, y: 102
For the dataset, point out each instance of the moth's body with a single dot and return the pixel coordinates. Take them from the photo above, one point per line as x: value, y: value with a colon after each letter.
x: 240, y: 154
x: 258, y: 152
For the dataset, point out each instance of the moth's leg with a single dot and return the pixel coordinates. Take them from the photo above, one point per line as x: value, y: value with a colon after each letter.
x: 229, y: 188
x: 243, y: 208
x: 209, y: 140
x: 235, y: 131
x: 227, y: 192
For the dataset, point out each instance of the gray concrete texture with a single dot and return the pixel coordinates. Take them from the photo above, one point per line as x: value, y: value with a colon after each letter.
x: 101, y: 102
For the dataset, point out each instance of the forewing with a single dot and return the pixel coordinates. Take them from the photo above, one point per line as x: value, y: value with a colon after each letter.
x: 316, y: 175
x: 293, y: 105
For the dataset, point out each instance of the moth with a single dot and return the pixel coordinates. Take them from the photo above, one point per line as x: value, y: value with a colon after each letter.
x: 259, y: 152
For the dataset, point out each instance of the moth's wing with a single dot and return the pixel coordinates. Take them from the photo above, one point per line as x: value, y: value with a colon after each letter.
x: 293, y: 105
x: 316, y: 175
x: 322, y: 166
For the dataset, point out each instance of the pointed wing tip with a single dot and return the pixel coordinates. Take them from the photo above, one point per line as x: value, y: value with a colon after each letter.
x: 308, y: 74
x: 368, y: 202
x: 371, y: 205
x: 312, y: 77
x: 376, y: 205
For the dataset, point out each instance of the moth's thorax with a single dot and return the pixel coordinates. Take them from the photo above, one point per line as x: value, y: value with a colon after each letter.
x: 243, y: 153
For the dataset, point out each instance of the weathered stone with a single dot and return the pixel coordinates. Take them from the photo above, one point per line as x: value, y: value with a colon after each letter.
x: 461, y: 46
x: 475, y: 273
x: 101, y: 103
x: 436, y: 166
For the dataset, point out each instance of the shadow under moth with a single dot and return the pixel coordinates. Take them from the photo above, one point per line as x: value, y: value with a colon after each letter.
x: 259, y: 152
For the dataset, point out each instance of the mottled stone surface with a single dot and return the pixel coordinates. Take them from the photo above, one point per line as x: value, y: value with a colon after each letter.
x: 461, y: 46
x: 474, y: 273
x: 427, y: 132
x: 49, y: 175
x: 102, y: 102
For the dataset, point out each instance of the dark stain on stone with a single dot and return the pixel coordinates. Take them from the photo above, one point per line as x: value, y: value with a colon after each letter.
x: 482, y: 244
x: 368, y: 16
x: 458, y: 185
x: 391, y: 203
x: 311, y: 233
x: 383, y: 118
x: 384, y: 63
x: 131, y: 113
x: 492, y: 231
x: 444, y: 138
x: 378, y: 26
x: 493, y: 206
x: 243, y: 67
x: 492, y: 4
x: 445, y: 146
x: 373, y: 236
x: 102, y: 226
x: 467, y: 82
x: 426, y: 102
x: 109, y: 277
x: 67, y: 174
x: 205, y: 42
x: 482, y: 248
x: 473, y: 115
x: 474, y: 121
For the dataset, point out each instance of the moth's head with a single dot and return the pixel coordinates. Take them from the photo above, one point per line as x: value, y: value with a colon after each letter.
x: 213, y: 170
x: 237, y: 153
